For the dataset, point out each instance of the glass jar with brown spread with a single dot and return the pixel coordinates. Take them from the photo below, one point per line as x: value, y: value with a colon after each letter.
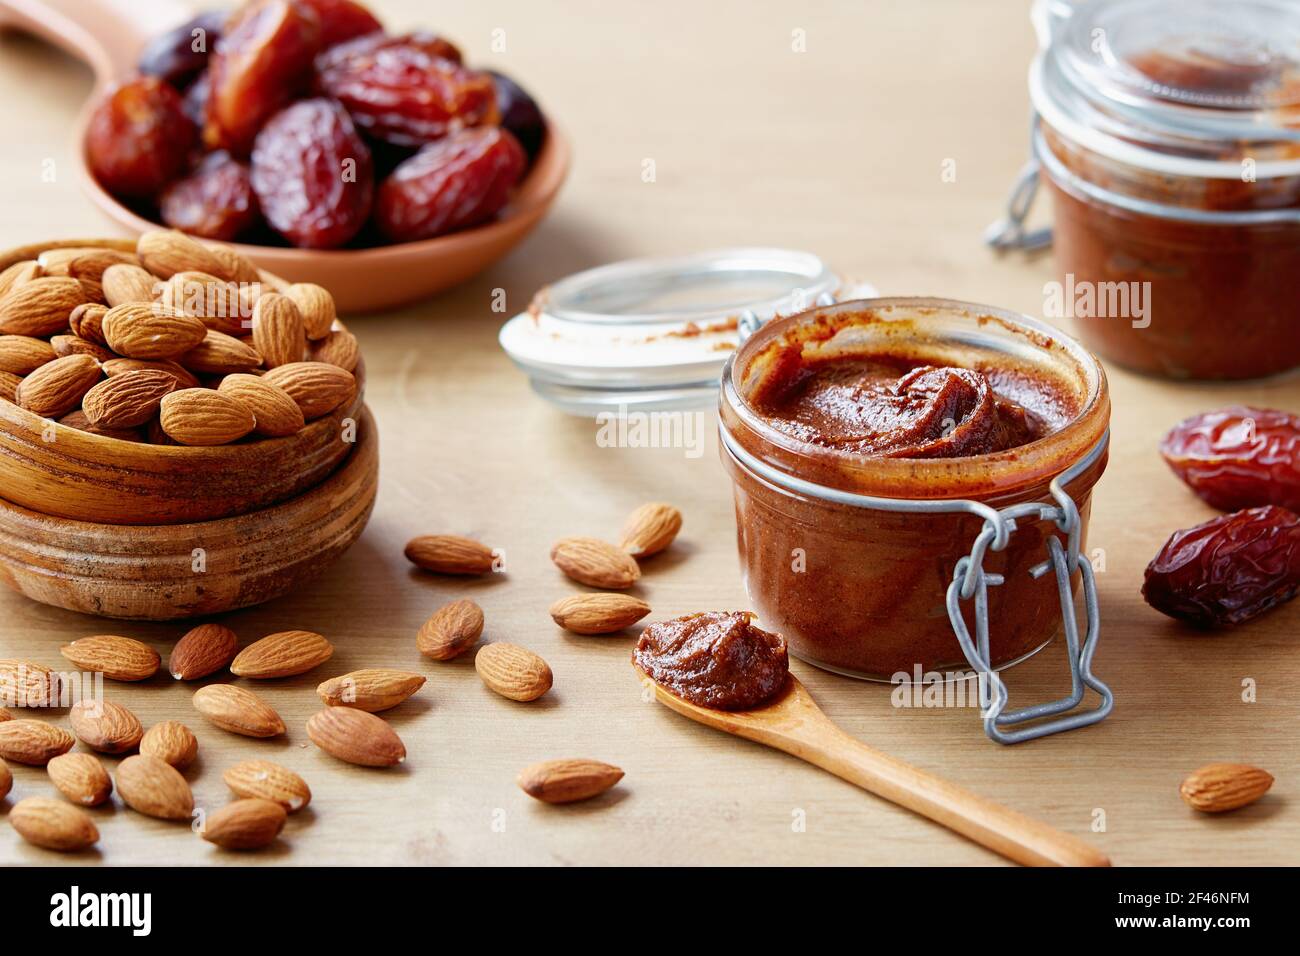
x: 1169, y: 138
x: 872, y: 444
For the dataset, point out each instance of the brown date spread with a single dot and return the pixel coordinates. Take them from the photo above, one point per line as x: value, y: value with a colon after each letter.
x: 716, y: 659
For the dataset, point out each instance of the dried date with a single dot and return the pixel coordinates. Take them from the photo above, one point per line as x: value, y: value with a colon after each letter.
x: 342, y: 20
x: 520, y: 114
x: 215, y: 201
x: 1227, y: 570
x: 139, y: 138
x: 180, y: 55
x: 1238, y: 457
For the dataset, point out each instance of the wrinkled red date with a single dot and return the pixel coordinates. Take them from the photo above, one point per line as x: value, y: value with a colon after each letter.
x: 179, y: 55
x: 1238, y: 457
x: 261, y: 63
x: 342, y: 20
x: 459, y: 181
x: 313, y: 174
x: 1227, y: 570
x: 520, y: 114
x: 215, y: 201
x: 407, y: 90
x: 139, y: 138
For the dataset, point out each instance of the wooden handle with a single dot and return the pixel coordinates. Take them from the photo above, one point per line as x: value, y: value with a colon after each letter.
x: 989, y: 824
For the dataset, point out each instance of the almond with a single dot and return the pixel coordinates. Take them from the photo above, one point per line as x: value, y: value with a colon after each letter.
x: 6, y: 780
x: 118, y: 658
x: 316, y: 306
x: 338, y: 348
x: 602, y: 613
x: 245, y: 824
x: 58, y: 261
x: 78, y: 420
x: 450, y: 554
x: 356, y: 737
x: 513, y: 671
x: 235, y: 266
x: 218, y: 303
x: 238, y: 711
x: 57, y: 387
x: 268, y: 781
x: 87, y: 321
x: 171, y: 742
x: 104, y: 726
x: 127, y: 400
x: 120, y: 366
x: 567, y: 781
x: 165, y: 252
x: 595, y: 563
x: 451, y: 630
x: 201, y: 416
x: 278, y: 332
x: 275, y: 413
x: 220, y: 354
x: 81, y: 778
x: 53, y: 824
x: 127, y: 284
x: 317, y: 387
x: 18, y: 273
x: 371, y: 690
x: 155, y: 788
x: 282, y: 655
x: 649, y: 529
x: 203, y: 650
x: 5, y: 715
x: 9, y: 383
x: 72, y: 345
x: 23, y: 354
x: 151, y: 331
x: 27, y: 684
x: 40, y: 306
x: 1218, y: 787
x: 89, y: 265
x: 33, y: 742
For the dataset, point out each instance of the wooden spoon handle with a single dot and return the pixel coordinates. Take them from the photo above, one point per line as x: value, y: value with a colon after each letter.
x: 989, y: 824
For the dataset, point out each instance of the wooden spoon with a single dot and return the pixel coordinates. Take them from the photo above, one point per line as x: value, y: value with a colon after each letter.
x: 792, y: 721
x: 109, y: 34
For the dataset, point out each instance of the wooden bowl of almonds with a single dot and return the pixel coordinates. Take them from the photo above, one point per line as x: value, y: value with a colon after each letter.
x: 167, y: 401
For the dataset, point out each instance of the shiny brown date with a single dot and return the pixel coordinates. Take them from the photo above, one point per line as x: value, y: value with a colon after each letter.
x: 1238, y: 457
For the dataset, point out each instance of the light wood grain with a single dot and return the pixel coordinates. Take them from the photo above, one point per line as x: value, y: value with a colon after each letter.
x: 838, y: 150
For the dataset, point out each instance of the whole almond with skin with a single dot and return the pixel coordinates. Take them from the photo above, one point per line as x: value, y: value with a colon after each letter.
x: 165, y: 252
x: 567, y: 781
x: 218, y: 303
x: 151, y: 331
x: 6, y: 780
x: 602, y: 613
x: 92, y: 263
x: 371, y: 690
x: 53, y: 824
x: 276, y: 414
x: 81, y: 778
x: 18, y: 273
x: 238, y: 711
x: 513, y: 671
x: 201, y: 416
x: 316, y: 306
x: 220, y: 354
x: 105, y: 726
x: 125, y: 284
x: 235, y: 266
x: 57, y: 387
x: 155, y: 788
x: 338, y: 348
x: 245, y: 824
x: 595, y: 563
x: 78, y: 420
x: 27, y: 684
x: 72, y: 345
x: 33, y: 742
x: 317, y: 387
x: 117, y: 658
x: 278, y: 333
x: 1219, y: 787
x: 451, y: 630
x: 285, y: 654
x: 450, y: 554
x: 120, y: 366
x: 356, y: 736
x: 127, y: 400
x: 649, y: 529
x: 171, y: 742
x: 40, y: 306
x: 87, y: 321
x: 261, y: 779
x: 203, y: 650
x: 9, y: 383
x: 58, y: 261
x: 23, y: 354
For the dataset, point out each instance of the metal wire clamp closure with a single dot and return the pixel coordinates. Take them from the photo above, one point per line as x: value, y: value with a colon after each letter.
x: 971, y: 581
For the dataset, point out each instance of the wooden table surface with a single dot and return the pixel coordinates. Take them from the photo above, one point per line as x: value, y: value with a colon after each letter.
x: 839, y: 150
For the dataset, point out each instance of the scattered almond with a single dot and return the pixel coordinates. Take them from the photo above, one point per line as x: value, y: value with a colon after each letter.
x: 245, y: 824
x: 23, y: 354
x: 155, y: 788
x: 53, y: 824
x: 40, y: 306
x: 268, y: 781
x: 238, y: 711
x: 356, y: 736
x: 595, y: 563
x: 117, y: 658
x: 57, y: 387
x: 171, y: 742
x: 1219, y: 787
x: 449, y: 554
x: 567, y: 781
x: 317, y: 387
x: 602, y: 613
x: 151, y: 331
x: 513, y: 671
x: 316, y: 306
x: 201, y: 416
x: 282, y: 655
x: 372, y: 689
x: 275, y: 413
x: 649, y: 529
x: 203, y: 650
x: 128, y: 400
x: 451, y: 630
x: 28, y: 684
x: 165, y: 252
x: 33, y: 742
x: 81, y: 778
x: 123, y: 284
x: 105, y: 726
